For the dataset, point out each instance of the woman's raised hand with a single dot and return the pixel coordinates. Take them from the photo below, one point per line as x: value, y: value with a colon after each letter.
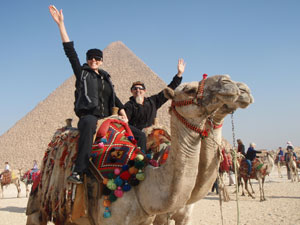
x: 57, y: 16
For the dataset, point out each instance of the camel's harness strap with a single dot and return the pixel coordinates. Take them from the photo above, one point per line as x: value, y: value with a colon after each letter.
x: 235, y: 171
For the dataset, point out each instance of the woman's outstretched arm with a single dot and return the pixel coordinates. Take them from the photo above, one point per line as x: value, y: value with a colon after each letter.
x: 58, y: 17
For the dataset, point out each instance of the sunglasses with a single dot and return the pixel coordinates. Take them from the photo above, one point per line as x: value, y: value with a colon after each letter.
x: 97, y: 58
x: 137, y: 88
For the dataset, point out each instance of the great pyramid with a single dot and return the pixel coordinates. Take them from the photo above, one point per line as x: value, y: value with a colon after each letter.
x: 28, y: 138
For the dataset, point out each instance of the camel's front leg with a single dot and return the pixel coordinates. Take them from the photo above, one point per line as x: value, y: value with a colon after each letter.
x: 18, y: 186
x: 251, y: 186
x: 260, y: 189
x: 263, y: 188
x: 2, y: 196
x: 246, y: 187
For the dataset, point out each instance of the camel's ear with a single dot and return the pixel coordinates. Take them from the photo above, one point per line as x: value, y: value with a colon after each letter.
x: 169, y: 93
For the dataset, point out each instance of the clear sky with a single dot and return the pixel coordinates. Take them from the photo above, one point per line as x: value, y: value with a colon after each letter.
x: 254, y: 41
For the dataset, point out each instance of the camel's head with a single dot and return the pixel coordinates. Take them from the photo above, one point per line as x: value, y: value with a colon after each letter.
x: 243, y: 101
x: 217, y: 91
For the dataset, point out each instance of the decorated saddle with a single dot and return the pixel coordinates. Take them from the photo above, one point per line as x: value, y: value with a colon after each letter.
x: 256, y: 165
x: 6, y: 177
x: 115, y: 147
x: 158, y: 145
x: 30, y: 176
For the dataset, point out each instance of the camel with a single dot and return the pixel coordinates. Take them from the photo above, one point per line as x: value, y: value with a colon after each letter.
x: 28, y: 178
x: 279, y: 163
x: 293, y: 166
x: 209, y: 158
x: 7, y: 178
x: 171, y: 184
x: 259, y: 173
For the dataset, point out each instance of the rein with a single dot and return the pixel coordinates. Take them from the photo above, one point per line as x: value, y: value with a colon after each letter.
x: 195, y: 101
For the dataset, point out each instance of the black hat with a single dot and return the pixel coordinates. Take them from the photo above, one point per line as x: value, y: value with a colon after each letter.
x: 94, y: 52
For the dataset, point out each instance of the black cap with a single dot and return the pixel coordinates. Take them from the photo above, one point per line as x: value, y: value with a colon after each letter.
x: 94, y: 52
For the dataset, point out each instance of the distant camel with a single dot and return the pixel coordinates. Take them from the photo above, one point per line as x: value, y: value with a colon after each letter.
x: 279, y: 163
x: 293, y: 167
x: 28, y: 178
x: 259, y: 172
x: 8, y: 178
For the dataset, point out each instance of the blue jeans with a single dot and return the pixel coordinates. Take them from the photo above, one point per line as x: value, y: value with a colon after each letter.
x: 249, y: 166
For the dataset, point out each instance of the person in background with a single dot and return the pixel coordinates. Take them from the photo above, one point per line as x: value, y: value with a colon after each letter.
x: 241, y: 147
x: 280, y: 154
x: 7, y: 166
x: 95, y: 97
x: 35, y: 165
x: 250, y: 156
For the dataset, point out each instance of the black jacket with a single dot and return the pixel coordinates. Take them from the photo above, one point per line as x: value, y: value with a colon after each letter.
x: 251, y: 153
x: 94, y: 93
x: 142, y: 116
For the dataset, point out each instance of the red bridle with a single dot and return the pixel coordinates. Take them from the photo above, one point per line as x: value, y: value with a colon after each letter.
x: 195, y: 101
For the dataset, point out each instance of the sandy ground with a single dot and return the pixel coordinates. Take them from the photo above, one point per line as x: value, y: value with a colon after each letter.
x: 282, y: 206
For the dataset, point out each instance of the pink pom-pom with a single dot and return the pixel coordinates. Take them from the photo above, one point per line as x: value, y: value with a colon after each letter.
x: 204, y: 76
x: 117, y: 171
x: 118, y: 193
x: 101, y: 145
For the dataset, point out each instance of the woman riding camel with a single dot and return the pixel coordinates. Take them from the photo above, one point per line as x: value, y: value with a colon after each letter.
x: 94, y: 95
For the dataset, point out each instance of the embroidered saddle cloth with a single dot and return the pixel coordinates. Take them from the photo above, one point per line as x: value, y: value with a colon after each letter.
x: 6, y: 177
x: 158, y: 145
x: 114, y: 146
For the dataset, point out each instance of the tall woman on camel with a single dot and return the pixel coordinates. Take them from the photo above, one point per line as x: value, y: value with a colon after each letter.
x: 94, y: 96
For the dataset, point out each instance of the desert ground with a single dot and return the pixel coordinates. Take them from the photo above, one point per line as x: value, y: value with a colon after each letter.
x: 282, y: 205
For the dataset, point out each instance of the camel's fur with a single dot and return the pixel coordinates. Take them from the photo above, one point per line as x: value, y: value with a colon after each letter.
x: 166, y: 188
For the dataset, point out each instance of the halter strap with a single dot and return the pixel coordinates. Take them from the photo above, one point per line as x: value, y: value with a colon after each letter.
x: 194, y: 101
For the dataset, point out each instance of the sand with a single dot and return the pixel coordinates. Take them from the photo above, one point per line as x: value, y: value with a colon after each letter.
x: 282, y: 205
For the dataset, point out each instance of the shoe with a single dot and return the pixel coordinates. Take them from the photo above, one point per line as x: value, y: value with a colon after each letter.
x: 75, y: 178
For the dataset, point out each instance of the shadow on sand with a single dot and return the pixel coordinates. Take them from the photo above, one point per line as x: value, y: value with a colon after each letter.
x: 14, y: 209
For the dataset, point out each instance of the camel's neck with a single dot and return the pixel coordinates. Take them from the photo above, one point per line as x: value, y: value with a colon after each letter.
x: 208, y: 163
x: 172, y: 183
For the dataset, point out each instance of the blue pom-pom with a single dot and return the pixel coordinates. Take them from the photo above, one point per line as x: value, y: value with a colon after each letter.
x: 125, y: 167
x: 126, y: 187
x: 106, y: 213
x: 103, y: 140
x: 118, y: 181
x: 130, y: 138
x: 149, y: 156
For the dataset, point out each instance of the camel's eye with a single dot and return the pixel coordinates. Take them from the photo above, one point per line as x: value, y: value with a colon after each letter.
x: 190, y: 91
x: 242, y: 90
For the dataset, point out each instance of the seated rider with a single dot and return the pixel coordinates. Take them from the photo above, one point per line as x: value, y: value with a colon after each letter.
x: 241, y: 147
x: 6, y: 169
x: 280, y: 154
x: 141, y: 111
x: 250, y: 156
x: 95, y: 97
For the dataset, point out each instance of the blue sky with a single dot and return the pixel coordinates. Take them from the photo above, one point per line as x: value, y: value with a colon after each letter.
x: 254, y: 41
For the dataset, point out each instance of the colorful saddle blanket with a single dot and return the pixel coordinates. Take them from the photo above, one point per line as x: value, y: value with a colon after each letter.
x: 158, y: 146
x: 256, y: 165
x: 30, y: 176
x: 114, y: 147
x: 6, y: 177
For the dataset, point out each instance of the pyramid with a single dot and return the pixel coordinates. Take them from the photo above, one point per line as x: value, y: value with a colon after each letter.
x: 28, y: 138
